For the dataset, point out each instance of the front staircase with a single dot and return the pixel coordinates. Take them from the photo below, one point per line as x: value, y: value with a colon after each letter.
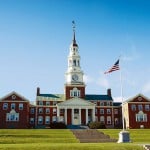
x: 92, y: 136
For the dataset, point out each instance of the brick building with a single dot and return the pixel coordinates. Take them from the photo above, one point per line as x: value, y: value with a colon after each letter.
x: 74, y: 106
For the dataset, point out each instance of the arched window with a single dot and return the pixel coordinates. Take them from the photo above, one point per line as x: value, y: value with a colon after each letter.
x: 74, y: 92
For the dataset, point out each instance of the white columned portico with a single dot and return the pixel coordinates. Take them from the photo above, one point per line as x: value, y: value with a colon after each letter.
x: 86, y: 116
x: 65, y: 115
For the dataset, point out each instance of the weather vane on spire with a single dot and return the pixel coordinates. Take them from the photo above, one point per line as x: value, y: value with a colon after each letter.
x: 73, y: 25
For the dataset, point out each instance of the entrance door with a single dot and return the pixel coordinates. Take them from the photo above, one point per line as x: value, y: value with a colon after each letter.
x: 76, y: 119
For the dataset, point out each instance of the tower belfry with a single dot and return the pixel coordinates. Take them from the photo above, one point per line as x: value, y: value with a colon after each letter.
x: 74, y: 74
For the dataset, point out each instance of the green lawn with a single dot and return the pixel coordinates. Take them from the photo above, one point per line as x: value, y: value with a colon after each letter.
x: 48, y: 139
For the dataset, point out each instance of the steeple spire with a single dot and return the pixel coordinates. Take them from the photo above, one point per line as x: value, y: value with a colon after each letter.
x: 74, y: 38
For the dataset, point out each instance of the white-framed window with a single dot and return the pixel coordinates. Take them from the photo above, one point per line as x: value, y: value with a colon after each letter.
x: 41, y: 103
x: 13, y: 105
x: 31, y: 110
x: 61, y: 111
x: 141, y: 117
x: 20, y: 106
x: 95, y: 110
x: 40, y: 110
x: 54, y: 118
x: 31, y: 120
x: 40, y: 119
x: 74, y: 92
x: 108, y: 103
x: 12, y: 116
x: 54, y: 110
x: 140, y: 107
x: 47, y: 103
x: 115, y: 111
x: 108, y: 120
x: 102, y: 119
x: 101, y: 103
x: 133, y: 107
x: 5, y: 106
x: 47, y: 110
x: 101, y: 111
x: 108, y: 111
x: 116, y: 121
x: 147, y: 108
x: 47, y: 119
x: 61, y: 118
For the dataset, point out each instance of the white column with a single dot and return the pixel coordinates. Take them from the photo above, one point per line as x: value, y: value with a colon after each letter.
x: 79, y: 115
x: 72, y: 111
x: 86, y: 116
x: 66, y: 116
x: 93, y: 114
x: 58, y: 114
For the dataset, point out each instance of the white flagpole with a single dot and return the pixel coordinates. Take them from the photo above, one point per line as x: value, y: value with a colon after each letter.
x: 121, y: 86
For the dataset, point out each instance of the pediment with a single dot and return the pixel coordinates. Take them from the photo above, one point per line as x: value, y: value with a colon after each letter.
x: 13, y: 96
x: 76, y: 102
x: 139, y: 98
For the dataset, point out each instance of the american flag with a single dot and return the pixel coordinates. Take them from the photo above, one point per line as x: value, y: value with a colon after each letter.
x: 115, y: 67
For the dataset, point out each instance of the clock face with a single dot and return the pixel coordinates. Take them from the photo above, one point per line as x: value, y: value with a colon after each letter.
x: 75, y: 77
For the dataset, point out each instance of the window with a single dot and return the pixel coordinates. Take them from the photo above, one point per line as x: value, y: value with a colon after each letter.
x: 133, y: 107
x: 102, y: 119
x: 61, y: 111
x: 12, y: 116
x: 140, y: 107
x: 31, y: 120
x: 40, y: 120
x: 31, y: 110
x: 41, y: 103
x: 116, y: 121
x: 147, y: 107
x: 108, y: 111
x: 141, y: 117
x: 54, y: 118
x: 40, y: 110
x: 20, y: 106
x: 47, y: 120
x: 101, y: 111
x: 47, y: 103
x: 101, y: 103
x: 54, y: 110
x: 75, y: 92
x: 13, y: 106
x: 108, y: 103
x: 61, y: 119
x: 5, y: 106
x: 95, y: 110
x: 47, y: 110
x: 115, y: 111
x: 108, y: 120
x: 76, y: 111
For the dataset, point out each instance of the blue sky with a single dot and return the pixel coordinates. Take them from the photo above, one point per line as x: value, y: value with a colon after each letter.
x: 35, y: 36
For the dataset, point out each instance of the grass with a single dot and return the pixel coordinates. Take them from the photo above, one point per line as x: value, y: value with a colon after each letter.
x: 47, y: 139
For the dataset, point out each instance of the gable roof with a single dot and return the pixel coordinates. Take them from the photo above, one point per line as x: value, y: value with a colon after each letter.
x: 57, y: 97
x: 76, y: 102
x: 138, y: 95
x: 13, y: 93
x: 98, y: 97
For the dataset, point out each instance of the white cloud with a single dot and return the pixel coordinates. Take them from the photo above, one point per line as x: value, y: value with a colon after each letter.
x: 119, y: 99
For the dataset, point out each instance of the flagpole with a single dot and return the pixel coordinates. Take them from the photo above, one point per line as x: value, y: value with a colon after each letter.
x: 121, y: 86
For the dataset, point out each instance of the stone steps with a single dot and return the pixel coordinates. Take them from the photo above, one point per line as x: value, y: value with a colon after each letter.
x: 92, y: 136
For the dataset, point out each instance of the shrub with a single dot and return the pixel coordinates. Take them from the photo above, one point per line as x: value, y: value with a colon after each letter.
x: 58, y: 125
x: 97, y: 125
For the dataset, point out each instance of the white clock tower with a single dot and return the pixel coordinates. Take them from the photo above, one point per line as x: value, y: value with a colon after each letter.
x: 74, y: 74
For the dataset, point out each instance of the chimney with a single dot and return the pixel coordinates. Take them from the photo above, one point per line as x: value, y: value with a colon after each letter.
x: 109, y: 92
x: 38, y: 91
